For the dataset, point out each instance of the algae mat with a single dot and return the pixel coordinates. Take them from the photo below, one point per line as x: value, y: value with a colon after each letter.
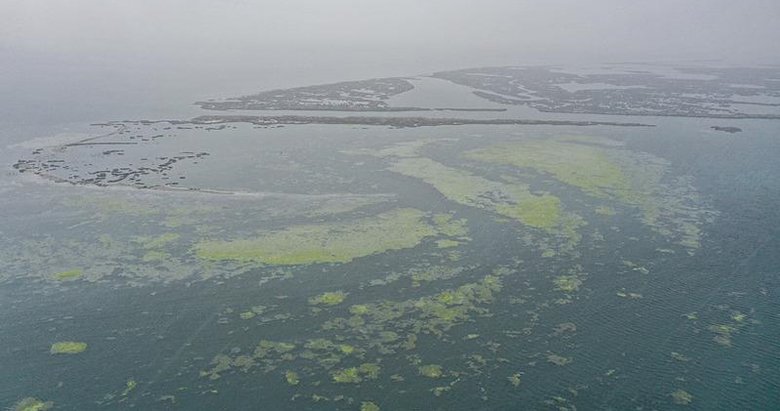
x: 325, y: 243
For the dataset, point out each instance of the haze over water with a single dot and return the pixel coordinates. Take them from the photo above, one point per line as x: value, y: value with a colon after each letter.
x: 154, y: 259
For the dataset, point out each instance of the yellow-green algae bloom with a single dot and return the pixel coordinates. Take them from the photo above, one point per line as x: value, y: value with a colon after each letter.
x: 292, y: 378
x: 347, y: 376
x: 558, y: 359
x: 329, y: 298
x: 681, y: 397
x: 368, y: 406
x: 567, y: 283
x: 68, y: 275
x: 129, y: 387
x: 157, y: 242
x: 448, y: 226
x: 584, y: 166
x: 247, y: 315
x: 431, y: 371
x: 608, y: 171
x: 515, y: 379
x: 447, y: 243
x: 336, y: 242
x: 510, y: 200
x: 32, y: 404
x: 68, y: 347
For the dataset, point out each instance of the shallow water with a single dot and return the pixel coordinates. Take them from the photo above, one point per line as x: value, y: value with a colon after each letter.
x: 637, y: 315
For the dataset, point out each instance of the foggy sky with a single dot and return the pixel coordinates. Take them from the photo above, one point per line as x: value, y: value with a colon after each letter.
x: 429, y: 34
x: 90, y: 59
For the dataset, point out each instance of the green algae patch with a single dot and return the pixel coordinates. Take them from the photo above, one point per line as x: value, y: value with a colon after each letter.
x: 157, y: 242
x: 539, y: 211
x: 447, y: 243
x: 384, y: 327
x: 558, y: 360
x: 32, y: 404
x: 292, y: 378
x: 368, y: 406
x: 723, y: 333
x: 350, y: 375
x: 370, y: 370
x: 671, y: 207
x: 155, y: 256
x: 431, y: 371
x: 346, y: 349
x: 583, y: 166
x: 68, y: 275
x: 509, y: 200
x: 129, y: 387
x: 515, y: 379
x: 68, y: 347
x: 325, y: 243
x: 605, y: 211
x: 681, y: 397
x: 247, y: 315
x: 449, y: 226
x: 359, y: 309
x: 567, y: 283
x: 329, y: 298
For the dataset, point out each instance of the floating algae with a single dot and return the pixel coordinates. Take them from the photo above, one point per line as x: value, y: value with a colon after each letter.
x: 509, y: 200
x: 32, y: 404
x: 68, y: 347
x: 325, y: 243
x: 605, y: 211
x: 354, y: 375
x: 632, y: 296
x: 580, y: 165
x: 329, y: 298
x: 558, y: 360
x: 564, y: 328
x: 368, y: 406
x: 156, y: 242
x: 447, y: 243
x: 247, y: 315
x: 681, y: 397
x: 68, y: 275
x: 384, y: 327
x: 567, y: 283
x: 369, y: 370
x: 513, y: 200
x: 431, y: 371
x: 723, y: 333
x: 129, y: 387
x: 441, y: 390
x: 610, y: 173
x: 100, y: 257
x: 448, y: 226
x: 515, y: 379
x: 292, y: 378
